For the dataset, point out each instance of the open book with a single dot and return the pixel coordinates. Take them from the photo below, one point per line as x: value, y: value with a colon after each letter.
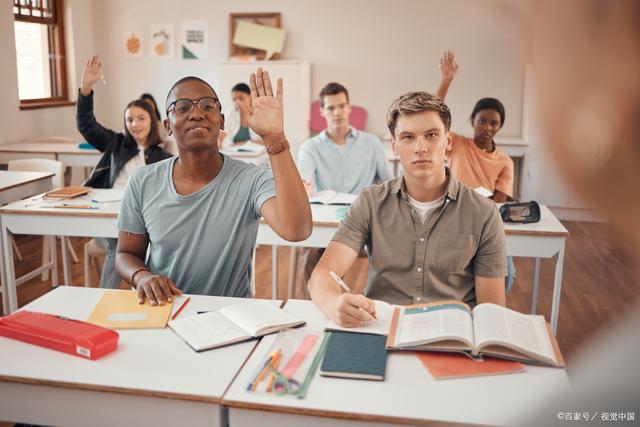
x: 329, y: 197
x: 483, y: 191
x: 232, y: 324
x: 488, y: 329
x: 248, y: 148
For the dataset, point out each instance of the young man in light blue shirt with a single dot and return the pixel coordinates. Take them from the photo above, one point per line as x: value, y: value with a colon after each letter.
x: 340, y: 158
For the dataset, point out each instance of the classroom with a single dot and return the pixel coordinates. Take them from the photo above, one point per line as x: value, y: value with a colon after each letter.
x: 338, y: 212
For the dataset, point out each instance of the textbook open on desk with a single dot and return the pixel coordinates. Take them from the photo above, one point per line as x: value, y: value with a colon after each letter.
x: 232, y: 324
x: 488, y: 329
x: 329, y: 197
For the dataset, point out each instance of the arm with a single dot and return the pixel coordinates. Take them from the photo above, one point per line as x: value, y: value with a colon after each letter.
x: 503, y: 191
x: 500, y: 197
x: 342, y: 308
x: 130, y: 254
x: 448, y: 70
x: 307, y: 166
x: 289, y: 213
x: 86, y: 122
x: 490, y: 289
x: 383, y: 171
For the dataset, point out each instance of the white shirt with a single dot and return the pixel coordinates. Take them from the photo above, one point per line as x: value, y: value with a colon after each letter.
x: 135, y: 163
x: 423, y: 208
x: 232, y: 125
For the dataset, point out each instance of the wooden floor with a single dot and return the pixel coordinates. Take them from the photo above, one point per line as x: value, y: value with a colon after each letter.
x: 598, y: 284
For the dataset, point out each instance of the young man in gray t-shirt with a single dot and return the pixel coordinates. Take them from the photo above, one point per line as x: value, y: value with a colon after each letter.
x: 198, y: 213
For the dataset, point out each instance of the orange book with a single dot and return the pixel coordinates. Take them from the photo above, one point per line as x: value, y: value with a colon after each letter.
x: 456, y: 365
x: 68, y: 192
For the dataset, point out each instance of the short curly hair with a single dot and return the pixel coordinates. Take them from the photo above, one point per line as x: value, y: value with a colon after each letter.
x: 417, y: 102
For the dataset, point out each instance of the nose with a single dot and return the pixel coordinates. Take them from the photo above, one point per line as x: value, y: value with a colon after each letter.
x: 421, y: 145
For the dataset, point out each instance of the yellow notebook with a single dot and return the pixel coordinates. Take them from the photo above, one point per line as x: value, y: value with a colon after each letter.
x: 120, y: 310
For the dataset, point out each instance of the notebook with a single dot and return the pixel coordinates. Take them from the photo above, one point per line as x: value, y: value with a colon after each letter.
x: 68, y: 192
x: 355, y: 355
x: 329, y: 197
x: 120, y: 310
x: 232, y: 324
x: 443, y: 366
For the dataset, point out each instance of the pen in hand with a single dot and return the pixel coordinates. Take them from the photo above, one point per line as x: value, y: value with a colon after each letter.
x: 344, y: 286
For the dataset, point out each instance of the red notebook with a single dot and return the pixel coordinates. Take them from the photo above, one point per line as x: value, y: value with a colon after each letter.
x: 58, y: 333
x: 456, y: 365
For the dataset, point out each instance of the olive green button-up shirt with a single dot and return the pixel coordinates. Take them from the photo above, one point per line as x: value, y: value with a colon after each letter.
x: 411, y: 261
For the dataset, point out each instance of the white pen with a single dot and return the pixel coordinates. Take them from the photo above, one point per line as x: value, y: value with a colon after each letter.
x: 344, y: 286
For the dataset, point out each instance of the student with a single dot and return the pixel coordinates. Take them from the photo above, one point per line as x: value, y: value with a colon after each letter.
x: 428, y: 236
x: 197, y: 214
x: 122, y: 153
x: 168, y: 144
x: 477, y: 161
x: 340, y: 158
x: 236, y: 128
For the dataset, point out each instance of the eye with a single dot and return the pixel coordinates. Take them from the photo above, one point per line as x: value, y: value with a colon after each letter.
x: 182, y: 107
x: 432, y: 135
x: 406, y: 137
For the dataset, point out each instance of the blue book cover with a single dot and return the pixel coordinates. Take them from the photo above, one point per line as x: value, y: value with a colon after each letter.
x: 355, y: 355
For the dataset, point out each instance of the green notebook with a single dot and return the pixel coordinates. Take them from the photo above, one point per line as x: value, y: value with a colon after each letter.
x: 355, y: 355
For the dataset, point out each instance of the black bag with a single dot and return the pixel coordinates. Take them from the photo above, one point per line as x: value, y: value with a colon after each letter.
x: 520, y: 212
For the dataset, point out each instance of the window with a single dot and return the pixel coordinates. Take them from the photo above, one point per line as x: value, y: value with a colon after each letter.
x: 40, y: 53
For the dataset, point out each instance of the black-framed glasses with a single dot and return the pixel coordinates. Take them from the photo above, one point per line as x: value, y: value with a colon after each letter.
x: 206, y: 104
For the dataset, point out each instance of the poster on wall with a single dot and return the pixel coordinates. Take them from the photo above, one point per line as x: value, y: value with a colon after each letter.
x: 195, y: 42
x: 132, y: 45
x: 162, y: 41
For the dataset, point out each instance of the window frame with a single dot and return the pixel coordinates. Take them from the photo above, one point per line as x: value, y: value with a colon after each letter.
x: 57, y: 58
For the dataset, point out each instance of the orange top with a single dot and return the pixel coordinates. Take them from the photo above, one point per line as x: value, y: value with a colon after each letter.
x: 477, y: 168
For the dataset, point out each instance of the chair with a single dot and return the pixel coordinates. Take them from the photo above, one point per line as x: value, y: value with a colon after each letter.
x: 91, y: 253
x: 44, y: 165
x: 357, y: 118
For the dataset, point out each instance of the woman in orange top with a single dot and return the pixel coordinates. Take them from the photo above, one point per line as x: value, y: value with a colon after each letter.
x: 477, y: 162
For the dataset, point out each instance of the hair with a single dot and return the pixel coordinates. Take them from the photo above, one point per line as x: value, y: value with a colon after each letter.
x: 191, y: 79
x: 154, y: 136
x: 489, y: 104
x: 332, y: 89
x: 417, y: 102
x: 241, y: 87
x: 149, y: 97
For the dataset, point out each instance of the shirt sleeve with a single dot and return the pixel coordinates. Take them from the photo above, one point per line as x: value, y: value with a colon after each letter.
x: 264, y: 189
x: 382, y: 165
x: 491, y: 257
x: 355, y: 230
x: 307, y: 163
x: 505, y: 178
x: 130, y: 218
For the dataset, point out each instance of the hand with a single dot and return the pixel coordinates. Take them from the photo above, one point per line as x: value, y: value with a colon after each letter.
x: 353, y: 310
x: 156, y: 288
x: 448, y: 66
x: 91, y: 73
x: 265, y: 114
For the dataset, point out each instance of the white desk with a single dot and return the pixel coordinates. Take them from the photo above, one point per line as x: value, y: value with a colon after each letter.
x: 68, y: 154
x: 543, y: 239
x: 16, y: 185
x: 409, y: 395
x: 152, y: 379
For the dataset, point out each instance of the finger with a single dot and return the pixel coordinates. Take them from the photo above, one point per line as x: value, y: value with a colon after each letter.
x: 365, y: 306
x: 268, y: 90
x: 155, y: 292
x: 259, y: 80
x: 165, y: 288
x: 140, y: 295
x: 280, y: 90
x: 252, y: 86
x: 149, y: 294
x: 347, y: 320
x: 356, y: 313
x: 174, y: 289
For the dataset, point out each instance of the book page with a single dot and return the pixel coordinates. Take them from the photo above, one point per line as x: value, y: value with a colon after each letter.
x: 322, y: 197
x: 106, y: 195
x: 260, y: 317
x: 384, y: 311
x: 207, y: 330
x: 422, y: 325
x: 343, y: 199
x: 494, y: 324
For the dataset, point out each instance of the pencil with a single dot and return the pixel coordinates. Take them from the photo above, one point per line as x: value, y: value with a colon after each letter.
x: 180, y: 308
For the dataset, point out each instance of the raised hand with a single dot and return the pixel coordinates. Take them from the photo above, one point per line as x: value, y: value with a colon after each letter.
x: 265, y: 115
x: 91, y: 73
x: 448, y: 66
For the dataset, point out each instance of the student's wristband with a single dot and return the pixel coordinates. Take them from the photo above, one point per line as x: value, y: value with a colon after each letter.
x: 278, y: 147
x: 133, y: 276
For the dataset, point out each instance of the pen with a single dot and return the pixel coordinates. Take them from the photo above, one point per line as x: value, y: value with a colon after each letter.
x: 344, y: 286
x: 66, y: 205
x: 180, y: 308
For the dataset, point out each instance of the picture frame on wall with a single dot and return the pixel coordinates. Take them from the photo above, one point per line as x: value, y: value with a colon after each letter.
x: 269, y: 19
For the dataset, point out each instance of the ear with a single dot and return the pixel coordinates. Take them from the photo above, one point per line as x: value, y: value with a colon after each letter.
x: 221, y: 121
x: 394, y: 146
x: 167, y: 126
x: 449, y: 141
x: 321, y: 110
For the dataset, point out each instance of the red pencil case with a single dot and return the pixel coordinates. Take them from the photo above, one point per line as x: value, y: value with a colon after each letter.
x: 59, y: 333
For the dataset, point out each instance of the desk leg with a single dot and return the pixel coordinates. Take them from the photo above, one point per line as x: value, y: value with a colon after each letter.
x: 536, y: 283
x: 53, y: 255
x: 3, y: 280
x: 65, y: 261
x: 10, y: 290
x: 274, y: 272
x: 557, y: 289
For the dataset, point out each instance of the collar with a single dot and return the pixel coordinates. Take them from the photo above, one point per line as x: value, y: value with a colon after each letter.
x: 351, y: 135
x: 453, y: 186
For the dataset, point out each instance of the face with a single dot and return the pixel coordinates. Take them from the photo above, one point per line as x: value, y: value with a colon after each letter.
x: 240, y: 98
x: 196, y: 128
x: 486, y: 124
x: 421, y: 142
x: 336, y: 110
x: 138, y: 123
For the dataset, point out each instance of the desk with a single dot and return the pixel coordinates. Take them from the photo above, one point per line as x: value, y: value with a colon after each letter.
x: 153, y: 378
x: 409, y: 395
x: 16, y: 185
x: 68, y: 154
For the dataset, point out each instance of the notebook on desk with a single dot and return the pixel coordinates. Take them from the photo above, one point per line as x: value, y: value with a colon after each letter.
x: 120, y: 310
x: 355, y: 355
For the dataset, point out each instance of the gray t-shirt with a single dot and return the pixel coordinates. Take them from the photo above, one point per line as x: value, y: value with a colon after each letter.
x: 204, y: 241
